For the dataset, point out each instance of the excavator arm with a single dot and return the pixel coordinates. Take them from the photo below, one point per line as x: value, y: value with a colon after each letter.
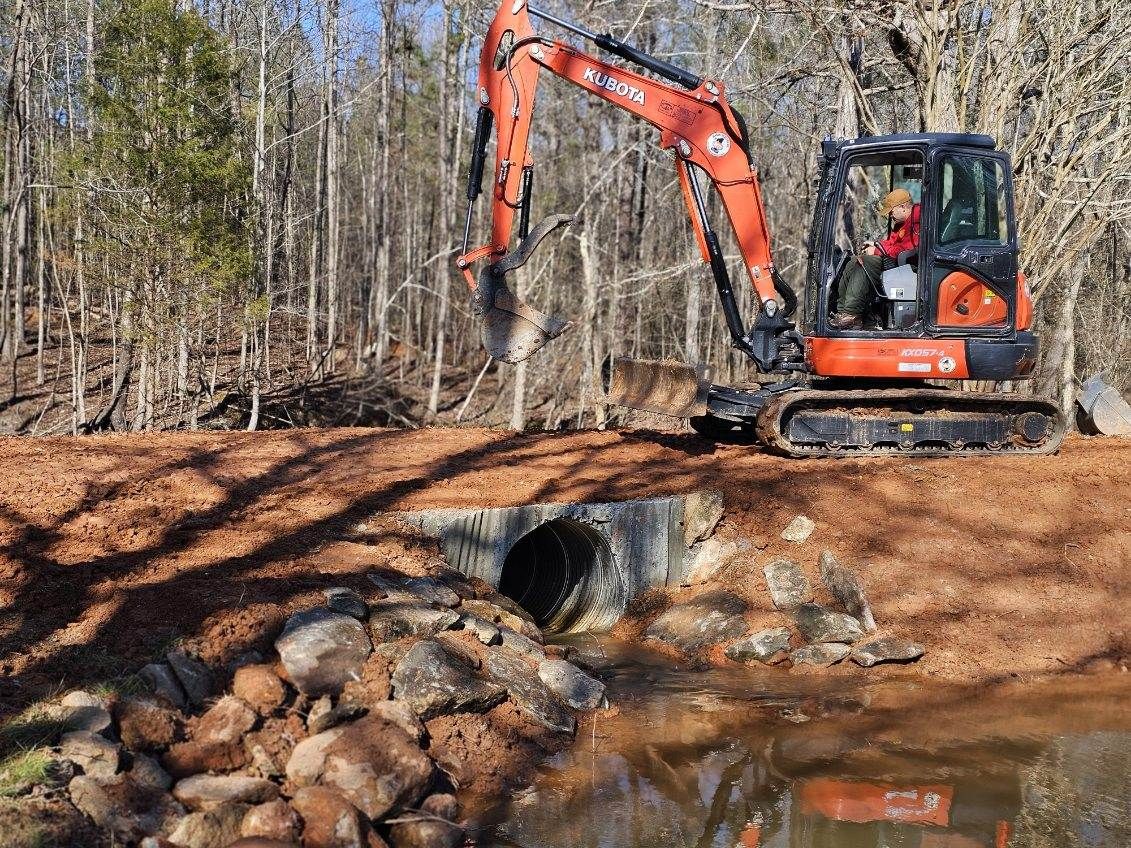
x: 694, y: 120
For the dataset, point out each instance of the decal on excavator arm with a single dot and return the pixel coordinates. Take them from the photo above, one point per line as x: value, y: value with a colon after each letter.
x: 611, y: 83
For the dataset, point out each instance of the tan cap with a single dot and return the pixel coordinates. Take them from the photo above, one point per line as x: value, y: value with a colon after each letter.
x: 894, y: 199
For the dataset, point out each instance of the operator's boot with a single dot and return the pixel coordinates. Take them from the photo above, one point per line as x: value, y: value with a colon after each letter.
x: 846, y: 321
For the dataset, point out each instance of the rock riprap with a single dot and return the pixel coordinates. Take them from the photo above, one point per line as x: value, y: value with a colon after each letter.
x: 704, y: 620
x: 789, y: 587
x: 322, y: 650
x: 888, y: 649
x: 847, y: 588
x: 433, y: 682
x: 764, y: 646
x: 818, y: 624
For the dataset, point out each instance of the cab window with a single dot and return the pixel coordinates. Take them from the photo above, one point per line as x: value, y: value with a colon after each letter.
x: 972, y: 201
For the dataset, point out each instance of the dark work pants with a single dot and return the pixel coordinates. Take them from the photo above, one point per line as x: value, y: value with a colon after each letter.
x: 857, y: 283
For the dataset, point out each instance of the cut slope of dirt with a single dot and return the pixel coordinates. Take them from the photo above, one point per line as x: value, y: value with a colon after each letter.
x: 112, y: 547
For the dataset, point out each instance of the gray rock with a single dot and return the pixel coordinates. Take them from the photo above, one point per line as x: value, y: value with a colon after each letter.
x: 527, y: 691
x: 433, y: 827
x: 702, y: 512
x: 761, y: 646
x: 400, y: 714
x: 193, y: 675
x: 377, y: 767
x: 520, y: 644
x: 704, y: 620
x: 96, y: 719
x: 397, y: 617
x: 706, y: 559
x: 511, y: 615
x: 161, y: 679
x: 434, y: 683
x: 798, y: 530
x: 147, y: 772
x: 888, y: 649
x: 322, y: 650
x: 206, y: 791
x: 821, y: 654
x: 80, y: 698
x: 347, y: 601
x: 818, y: 624
x: 309, y: 757
x: 847, y: 588
x: 571, y: 684
x: 789, y: 588
x: 94, y: 754
x: 121, y: 808
x: 433, y: 591
x: 326, y: 716
x: 484, y: 630
x: 215, y: 828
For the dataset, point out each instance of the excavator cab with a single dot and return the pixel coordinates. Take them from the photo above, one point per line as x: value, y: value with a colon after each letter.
x: 962, y: 279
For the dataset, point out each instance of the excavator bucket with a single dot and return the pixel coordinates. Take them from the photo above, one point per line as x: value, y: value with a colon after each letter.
x: 1102, y: 409
x: 513, y: 331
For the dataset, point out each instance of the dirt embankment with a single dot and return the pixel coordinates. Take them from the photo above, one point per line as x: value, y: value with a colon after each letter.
x: 113, y: 547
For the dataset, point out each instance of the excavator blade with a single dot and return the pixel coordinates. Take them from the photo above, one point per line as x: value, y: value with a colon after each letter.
x: 668, y: 388
x: 513, y: 331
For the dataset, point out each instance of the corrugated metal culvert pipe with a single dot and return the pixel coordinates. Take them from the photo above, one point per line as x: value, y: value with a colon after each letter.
x: 562, y: 573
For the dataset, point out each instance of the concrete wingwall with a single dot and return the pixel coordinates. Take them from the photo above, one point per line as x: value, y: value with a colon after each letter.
x: 636, y: 545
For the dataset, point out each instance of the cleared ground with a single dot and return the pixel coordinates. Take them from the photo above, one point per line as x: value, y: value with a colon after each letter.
x: 113, y: 547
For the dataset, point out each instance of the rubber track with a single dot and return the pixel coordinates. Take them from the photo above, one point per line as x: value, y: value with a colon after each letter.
x: 768, y: 422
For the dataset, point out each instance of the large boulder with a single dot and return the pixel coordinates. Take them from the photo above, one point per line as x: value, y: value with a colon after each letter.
x: 571, y: 684
x: 309, y: 757
x: 330, y: 821
x: 271, y: 820
x: 706, y: 559
x: 82, y: 711
x: 789, y: 587
x: 818, y: 624
x: 434, y: 683
x: 205, y: 791
x: 847, y: 588
x: 321, y: 650
x: 259, y: 687
x: 701, y: 621
x: 527, y: 691
x: 702, y: 511
x: 377, y: 767
x: 763, y: 646
x: 216, y: 742
x: 398, y: 617
x: 218, y: 827
x: 120, y: 807
x: 94, y: 754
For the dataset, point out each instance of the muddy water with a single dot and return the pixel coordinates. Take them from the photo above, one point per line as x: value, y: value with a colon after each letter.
x: 764, y: 758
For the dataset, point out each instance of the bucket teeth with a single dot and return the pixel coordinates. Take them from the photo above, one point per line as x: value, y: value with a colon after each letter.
x: 513, y: 331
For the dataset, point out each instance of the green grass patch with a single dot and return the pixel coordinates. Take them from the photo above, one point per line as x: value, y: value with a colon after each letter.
x: 24, y: 758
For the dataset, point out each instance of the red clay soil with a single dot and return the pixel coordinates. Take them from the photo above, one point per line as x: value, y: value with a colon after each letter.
x: 112, y: 547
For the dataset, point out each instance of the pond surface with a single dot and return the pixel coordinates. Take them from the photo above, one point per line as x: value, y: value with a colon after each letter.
x: 748, y: 757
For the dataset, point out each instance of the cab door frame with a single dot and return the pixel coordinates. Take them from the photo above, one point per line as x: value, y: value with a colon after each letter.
x: 995, y: 266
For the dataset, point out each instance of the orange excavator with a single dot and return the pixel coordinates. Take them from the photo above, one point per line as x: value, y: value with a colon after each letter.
x: 955, y: 307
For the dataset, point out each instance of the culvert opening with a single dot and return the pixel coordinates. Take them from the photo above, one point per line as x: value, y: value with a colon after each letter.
x: 562, y: 573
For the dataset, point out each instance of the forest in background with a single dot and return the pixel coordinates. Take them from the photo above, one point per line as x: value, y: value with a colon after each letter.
x: 246, y: 214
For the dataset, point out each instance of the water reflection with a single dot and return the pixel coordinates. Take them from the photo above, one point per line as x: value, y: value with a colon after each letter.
x: 772, y: 760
